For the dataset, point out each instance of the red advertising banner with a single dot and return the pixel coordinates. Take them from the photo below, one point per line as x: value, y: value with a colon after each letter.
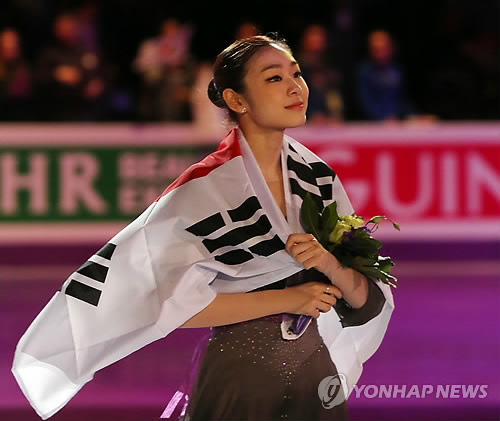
x: 62, y: 182
x: 439, y: 181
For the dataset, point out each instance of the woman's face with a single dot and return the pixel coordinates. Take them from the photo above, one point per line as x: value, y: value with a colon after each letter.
x: 276, y: 93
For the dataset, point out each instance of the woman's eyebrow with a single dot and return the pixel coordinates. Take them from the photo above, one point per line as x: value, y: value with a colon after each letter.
x: 277, y: 66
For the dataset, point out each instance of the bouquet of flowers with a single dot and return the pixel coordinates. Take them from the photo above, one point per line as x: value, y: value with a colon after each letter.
x: 349, y: 239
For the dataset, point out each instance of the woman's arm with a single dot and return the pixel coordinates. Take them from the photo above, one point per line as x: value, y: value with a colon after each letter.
x: 309, y: 298
x: 358, y: 316
x: 234, y: 308
x: 354, y: 285
x: 306, y: 250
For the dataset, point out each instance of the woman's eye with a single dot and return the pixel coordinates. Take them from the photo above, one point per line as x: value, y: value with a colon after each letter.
x: 277, y: 78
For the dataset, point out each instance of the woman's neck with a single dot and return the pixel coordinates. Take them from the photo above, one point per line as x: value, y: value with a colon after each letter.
x: 266, y: 147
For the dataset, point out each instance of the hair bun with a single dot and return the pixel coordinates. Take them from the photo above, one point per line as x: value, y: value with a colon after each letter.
x: 215, y: 95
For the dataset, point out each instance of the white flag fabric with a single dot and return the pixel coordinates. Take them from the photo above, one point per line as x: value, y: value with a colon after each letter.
x: 216, y: 229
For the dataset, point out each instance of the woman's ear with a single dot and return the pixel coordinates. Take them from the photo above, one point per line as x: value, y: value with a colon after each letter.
x: 233, y: 100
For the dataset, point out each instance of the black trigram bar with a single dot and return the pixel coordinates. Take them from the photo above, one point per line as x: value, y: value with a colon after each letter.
x: 320, y: 169
x: 246, y: 210
x: 83, y: 292
x: 326, y: 191
x: 234, y: 257
x: 239, y: 235
x: 94, y: 271
x: 107, y: 251
x: 303, y: 172
x: 298, y: 190
x: 268, y: 247
x: 207, y: 226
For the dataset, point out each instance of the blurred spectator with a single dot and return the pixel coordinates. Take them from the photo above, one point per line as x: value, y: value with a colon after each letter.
x: 118, y: 103
x: 168, y: 71
x: 206, y: 115
x: 86, y: 15
x: 449, y: 65
x: 483, y: 51
x: 246, y: 30
x: 344, y: 39
x: 15, y: 79
x: 323, y: 79
x: 381, y: 85
x: 465, y: 85
x: 75, y: 80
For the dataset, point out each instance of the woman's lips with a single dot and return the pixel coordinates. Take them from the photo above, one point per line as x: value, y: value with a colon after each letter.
x: 297, y: 106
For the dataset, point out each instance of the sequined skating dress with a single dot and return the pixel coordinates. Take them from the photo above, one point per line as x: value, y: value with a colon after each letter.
x: 249, y: 372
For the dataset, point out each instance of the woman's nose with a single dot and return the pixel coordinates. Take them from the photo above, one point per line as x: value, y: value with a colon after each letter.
x: 295, y: 87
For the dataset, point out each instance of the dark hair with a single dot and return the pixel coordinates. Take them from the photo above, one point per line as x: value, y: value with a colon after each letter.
x: 230, y: 66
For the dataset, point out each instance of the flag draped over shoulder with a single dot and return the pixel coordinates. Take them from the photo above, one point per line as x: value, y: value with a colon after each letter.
x: 216, y: 229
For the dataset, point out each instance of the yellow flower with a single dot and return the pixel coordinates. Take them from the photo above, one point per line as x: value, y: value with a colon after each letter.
x: 353, y: 221
x: 338, y: 231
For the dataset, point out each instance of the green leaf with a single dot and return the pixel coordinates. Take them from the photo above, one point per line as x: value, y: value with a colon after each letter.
x: 324, y: 230
x: 309, y: 216
x: 329, y: 219
x: 364, y: 261
x: 375, y: 273
x: 376, y: 219
x: 364, y: 244
x: 385, y: 264
x: 387, y: 277
x: 333, y: 215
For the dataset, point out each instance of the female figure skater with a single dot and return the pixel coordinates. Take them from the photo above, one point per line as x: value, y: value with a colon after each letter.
x: 249, y: 372
x: 224, y: 247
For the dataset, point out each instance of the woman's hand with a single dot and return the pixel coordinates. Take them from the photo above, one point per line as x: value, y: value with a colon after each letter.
x: 311, y: 298
x: 307, y: 251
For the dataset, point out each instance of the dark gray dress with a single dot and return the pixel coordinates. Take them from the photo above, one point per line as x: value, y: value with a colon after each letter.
x: 249, y: 372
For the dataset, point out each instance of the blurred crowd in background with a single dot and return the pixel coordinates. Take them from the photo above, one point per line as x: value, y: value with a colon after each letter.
x: 151, y: 61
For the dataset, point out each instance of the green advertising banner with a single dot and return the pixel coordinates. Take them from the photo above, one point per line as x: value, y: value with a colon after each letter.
x: 75, y: 184
x: 84, y: 183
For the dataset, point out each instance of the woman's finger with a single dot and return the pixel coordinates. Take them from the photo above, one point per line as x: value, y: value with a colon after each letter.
x: 329, y: 299
x: 333, y: 290
x: 313, y: 261
x: 306, y: 255
x: 298, y: 238
x: 298, y: 248
x: 323, y: 307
